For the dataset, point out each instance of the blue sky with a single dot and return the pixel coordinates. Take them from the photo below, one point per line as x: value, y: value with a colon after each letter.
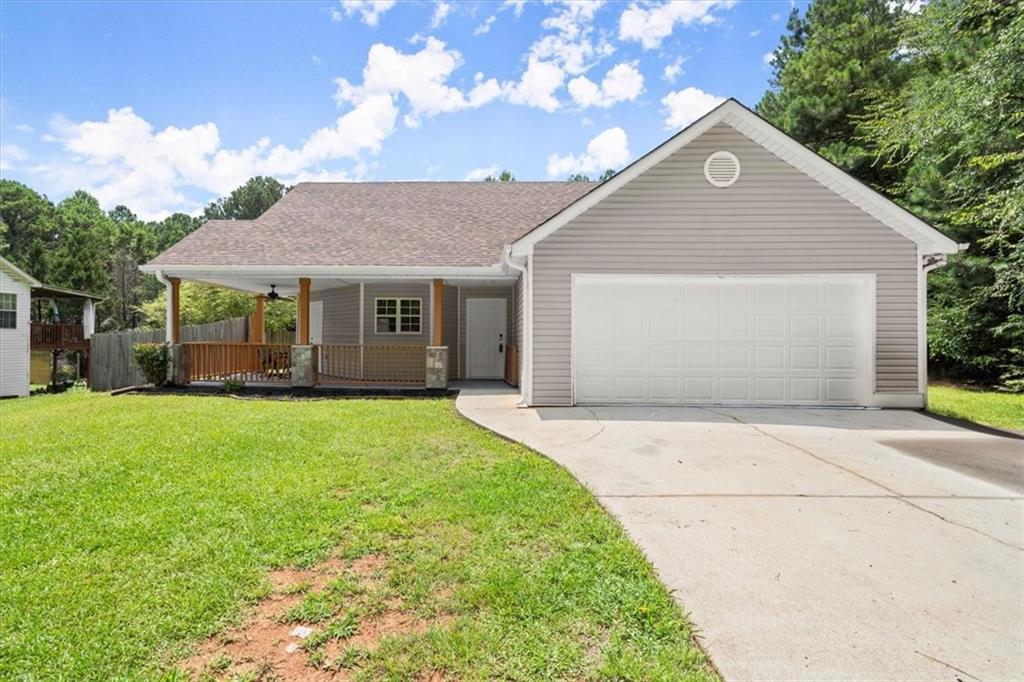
x: 163, y: 106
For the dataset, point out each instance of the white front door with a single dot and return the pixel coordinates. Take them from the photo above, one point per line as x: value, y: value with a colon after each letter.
x: 486, y: 338
x: 784, y: 340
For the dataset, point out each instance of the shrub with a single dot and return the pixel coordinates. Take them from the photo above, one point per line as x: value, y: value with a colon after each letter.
x: 232, y: 386
x: 153, y: 360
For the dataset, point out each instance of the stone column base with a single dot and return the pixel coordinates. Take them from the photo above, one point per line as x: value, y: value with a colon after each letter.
x: 437, y: 367
x: 303, y: 366
x: 177, y: 369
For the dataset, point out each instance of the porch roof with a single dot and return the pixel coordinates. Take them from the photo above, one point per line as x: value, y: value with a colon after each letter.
x: 393, y: 224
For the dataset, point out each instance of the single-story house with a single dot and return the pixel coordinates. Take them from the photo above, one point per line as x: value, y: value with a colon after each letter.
x: 20, y: 335
x: 729, y: 265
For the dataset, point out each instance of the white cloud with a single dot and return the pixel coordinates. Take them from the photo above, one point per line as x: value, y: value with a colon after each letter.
x: 622, y: 82
x: 571, y: 45
x: 315, y: 59
x: 685, y: 106
x: 673, y: 70
x: 586, y: 122
x: 9, y: 153
x: 481, y: 173
x: 441, y: 12
x: 24, y: 128
x: 486, y: 26
x: 421, y: 77
x: 768, y: 58
x: 776, y: 16
x: 649, y: 25
x: 123, y: 160
x: 609, y: 149
x: 755, y: 33
x: 537, y: 86
x: 516, y: 5
x: 369, y: 11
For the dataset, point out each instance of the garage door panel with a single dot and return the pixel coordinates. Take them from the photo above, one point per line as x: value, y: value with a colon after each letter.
x: 736, y: 339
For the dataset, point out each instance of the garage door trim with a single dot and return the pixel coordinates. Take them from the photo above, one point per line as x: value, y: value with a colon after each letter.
x: 866, y: 388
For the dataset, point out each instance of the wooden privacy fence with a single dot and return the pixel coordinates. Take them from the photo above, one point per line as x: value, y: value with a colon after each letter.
x: 406, y: 364
x: 247, y: 362
x: 112, y: 362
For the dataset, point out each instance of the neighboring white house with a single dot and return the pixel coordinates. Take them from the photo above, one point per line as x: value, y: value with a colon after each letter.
x: 15, y: 294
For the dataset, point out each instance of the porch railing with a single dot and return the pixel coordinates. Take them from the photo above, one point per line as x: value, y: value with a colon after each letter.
x: 248, y: 362
x: 52, y: 336
x: 404, y: 364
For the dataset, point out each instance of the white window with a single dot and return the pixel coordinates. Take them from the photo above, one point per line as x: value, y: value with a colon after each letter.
x: 8, y: 311
x: 398, y: 315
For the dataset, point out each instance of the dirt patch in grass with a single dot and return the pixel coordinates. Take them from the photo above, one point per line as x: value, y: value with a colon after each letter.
x: 275, y: 642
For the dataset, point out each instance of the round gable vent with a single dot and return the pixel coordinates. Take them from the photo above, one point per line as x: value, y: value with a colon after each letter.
x: 722, y: 169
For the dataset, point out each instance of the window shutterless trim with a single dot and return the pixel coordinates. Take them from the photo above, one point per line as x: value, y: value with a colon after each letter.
x: 398, y: 315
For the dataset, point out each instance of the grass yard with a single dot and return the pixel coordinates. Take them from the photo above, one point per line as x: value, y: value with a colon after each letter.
x: 993, y: 408
x: 139, y: 532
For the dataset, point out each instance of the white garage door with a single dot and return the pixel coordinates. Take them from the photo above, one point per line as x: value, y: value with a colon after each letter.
x: 800, y: 340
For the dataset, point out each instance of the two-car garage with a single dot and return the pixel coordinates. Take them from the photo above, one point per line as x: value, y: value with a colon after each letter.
x: 785, y: 340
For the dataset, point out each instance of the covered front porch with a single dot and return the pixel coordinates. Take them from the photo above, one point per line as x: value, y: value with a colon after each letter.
x: 360, y: 332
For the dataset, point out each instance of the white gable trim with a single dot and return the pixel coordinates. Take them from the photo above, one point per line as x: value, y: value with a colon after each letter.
x: 17, y: 273
x: 778, y: 143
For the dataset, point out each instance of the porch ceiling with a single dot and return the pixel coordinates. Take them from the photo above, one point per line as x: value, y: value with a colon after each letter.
x: 288, y: 285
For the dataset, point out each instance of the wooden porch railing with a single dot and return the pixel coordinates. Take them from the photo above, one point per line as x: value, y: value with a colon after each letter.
x: 52, y: 336
x: 406, y: 364
x: 248, y: 362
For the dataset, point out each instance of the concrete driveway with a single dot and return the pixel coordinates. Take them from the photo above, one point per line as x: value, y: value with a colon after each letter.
x: 802, y: 545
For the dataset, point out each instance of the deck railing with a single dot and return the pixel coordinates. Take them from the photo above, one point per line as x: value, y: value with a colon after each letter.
x: 247, y: 362
x: 404, y: 364
x: 53, y: 336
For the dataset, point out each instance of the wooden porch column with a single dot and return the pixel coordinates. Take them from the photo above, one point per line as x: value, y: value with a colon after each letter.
x: 438, y: 311
x: 174, y: 310
x: 257, y: 323
x: 303, y: 311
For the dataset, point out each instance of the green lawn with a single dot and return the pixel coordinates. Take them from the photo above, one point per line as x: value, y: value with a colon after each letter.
x: 135, y: 527
x: 994, y: 408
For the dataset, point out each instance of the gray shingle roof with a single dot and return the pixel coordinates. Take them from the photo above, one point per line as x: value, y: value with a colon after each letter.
x: 445, y: 224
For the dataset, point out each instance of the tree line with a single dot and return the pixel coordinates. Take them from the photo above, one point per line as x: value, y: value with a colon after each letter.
x: 75, y: 244
x: 926, y: 107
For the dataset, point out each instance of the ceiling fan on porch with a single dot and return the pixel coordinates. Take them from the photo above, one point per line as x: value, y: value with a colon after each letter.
x: 273, y: 295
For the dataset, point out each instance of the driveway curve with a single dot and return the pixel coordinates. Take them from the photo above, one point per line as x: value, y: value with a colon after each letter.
x: 808, y: 544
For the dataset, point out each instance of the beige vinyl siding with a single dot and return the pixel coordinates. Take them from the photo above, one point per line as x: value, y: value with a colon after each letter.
x: 773, y: 220
x: 14, y: 343
x: 483, y: 292
x: 341, y: 314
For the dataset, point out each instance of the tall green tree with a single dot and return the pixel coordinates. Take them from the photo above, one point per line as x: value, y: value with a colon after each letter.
x: 26, y: 227
x: 172, y: 230
x: 84, y: 237
x: 248, y: 201
x: 503, y: 176
x: 956, y: 131
x: 828, y: 68
x: 201, y: 304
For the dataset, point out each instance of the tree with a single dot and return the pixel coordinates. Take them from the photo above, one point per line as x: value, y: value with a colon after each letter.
x: 826, y: 71
x: 200, y: 304
x: 172, y: 230
x: 84, y: 237
x: 248, y: 201
x: 956, y: 131
x: 503, y: 176
x: 581, y: 177
x: 26, y: 227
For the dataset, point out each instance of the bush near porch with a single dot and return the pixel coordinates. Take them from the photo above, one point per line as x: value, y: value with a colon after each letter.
x: 136, y: 526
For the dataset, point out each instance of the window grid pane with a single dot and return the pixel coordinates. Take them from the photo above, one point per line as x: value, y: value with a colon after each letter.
x: 8, y: 319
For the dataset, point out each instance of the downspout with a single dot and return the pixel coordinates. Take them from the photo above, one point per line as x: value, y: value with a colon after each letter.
x: 928, y: 262
x: 526, y: 343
